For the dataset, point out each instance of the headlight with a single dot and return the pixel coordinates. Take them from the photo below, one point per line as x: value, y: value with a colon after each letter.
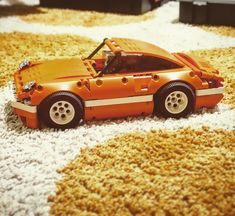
x: 27, y: 101
x: 29, y: 86
x: 24, y: 64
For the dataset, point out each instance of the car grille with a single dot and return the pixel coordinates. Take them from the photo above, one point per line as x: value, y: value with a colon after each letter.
x: 14, y: 88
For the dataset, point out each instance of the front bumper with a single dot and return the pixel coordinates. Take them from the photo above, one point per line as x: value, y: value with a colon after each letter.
x: 27, y: 114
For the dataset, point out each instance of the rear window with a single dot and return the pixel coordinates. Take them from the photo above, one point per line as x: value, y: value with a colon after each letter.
x: 150, y: 63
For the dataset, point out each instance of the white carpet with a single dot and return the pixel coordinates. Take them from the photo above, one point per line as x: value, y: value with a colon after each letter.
x: 29, y: 158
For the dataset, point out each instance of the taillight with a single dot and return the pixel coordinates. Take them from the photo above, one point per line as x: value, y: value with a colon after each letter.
x: 214, y: 83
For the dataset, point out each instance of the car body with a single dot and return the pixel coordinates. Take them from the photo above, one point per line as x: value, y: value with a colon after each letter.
x: 129, y: 78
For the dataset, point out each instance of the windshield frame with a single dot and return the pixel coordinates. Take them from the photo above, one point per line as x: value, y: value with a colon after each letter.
x: 97, y: 49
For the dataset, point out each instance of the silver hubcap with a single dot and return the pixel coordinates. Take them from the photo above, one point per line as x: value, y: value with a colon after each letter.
x: 176, y: 102
x: 62, y: 112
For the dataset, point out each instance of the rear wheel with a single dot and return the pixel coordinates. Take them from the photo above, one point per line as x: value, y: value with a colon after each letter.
x: 61, y: 110
x: 174, y: 100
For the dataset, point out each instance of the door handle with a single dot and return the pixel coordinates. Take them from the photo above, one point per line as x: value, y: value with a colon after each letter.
x: 142, y: 83
x: 144, y: 89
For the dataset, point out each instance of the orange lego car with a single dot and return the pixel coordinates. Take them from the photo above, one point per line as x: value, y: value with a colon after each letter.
x: 129, y: 78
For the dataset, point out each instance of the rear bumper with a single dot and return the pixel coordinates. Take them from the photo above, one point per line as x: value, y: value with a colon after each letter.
x: 27, y: 114
x: 212, y: 91
x: 208, y: 97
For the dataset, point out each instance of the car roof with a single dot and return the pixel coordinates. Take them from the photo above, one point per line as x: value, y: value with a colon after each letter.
x: 135, y: 46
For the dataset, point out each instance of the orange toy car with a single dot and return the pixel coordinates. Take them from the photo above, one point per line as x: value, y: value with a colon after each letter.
x: 130, y: 78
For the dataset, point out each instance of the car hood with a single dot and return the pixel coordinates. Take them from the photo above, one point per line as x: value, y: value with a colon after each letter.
x: 55, y: 70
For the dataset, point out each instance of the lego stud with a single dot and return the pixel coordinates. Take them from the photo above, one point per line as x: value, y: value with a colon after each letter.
x: 39, y: 88
x: 155, y: 77
x: 124, y: 80
x: 192, y: 74
x: 79, y: 84
x: 99, y: 82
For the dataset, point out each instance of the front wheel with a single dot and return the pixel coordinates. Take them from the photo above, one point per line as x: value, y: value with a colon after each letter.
x: 174, y: 100
x: 61, y: 110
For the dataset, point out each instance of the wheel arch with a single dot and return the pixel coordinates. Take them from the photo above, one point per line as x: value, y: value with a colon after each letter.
x: 49, y: 95
x: 175, y: 81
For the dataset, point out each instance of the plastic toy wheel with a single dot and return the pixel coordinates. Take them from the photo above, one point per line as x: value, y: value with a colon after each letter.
x: 174, y: 100
x: 61, y: 110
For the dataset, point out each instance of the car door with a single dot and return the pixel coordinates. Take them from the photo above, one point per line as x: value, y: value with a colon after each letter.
x: 134, y: 66
x: 119, y: 92
x: 113, y: 83
x: 125, y: 77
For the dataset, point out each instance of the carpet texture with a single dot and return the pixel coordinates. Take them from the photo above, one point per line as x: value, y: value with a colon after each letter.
x: 223, y: 30
x: 130, y: 166
x: 72, y: 17
x: 185, y: 172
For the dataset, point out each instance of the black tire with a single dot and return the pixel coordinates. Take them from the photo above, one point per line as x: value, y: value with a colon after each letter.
x: 164, y: 100
x: 70, y: 115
